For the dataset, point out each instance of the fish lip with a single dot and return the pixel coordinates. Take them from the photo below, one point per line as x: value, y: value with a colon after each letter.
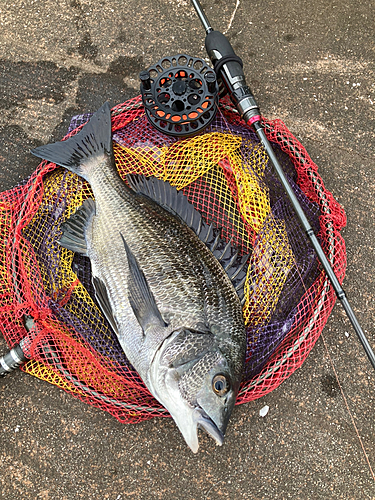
x: 206, y: 423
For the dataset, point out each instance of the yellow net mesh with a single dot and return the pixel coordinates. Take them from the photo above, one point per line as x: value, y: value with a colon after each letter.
x: 225, y: 174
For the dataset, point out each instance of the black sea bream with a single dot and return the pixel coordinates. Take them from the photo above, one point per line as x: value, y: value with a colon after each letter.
x: 158, y: 273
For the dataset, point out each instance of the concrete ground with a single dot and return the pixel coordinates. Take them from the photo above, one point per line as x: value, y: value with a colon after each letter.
x: 310, y: 63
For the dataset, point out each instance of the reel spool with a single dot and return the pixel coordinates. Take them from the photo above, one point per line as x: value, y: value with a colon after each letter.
x: 180, y: 95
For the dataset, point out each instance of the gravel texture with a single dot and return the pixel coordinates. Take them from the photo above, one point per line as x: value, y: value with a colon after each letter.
x: 308, y: 63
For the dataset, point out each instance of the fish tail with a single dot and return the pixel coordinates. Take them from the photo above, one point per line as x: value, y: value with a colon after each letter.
x: 83, y: 151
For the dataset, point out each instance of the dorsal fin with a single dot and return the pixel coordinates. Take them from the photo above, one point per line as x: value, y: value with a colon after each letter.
x: 177, y: 203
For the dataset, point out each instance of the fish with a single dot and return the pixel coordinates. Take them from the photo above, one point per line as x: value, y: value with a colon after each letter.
x: 167, y: 283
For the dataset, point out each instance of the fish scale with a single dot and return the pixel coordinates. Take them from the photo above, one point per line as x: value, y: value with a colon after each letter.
x: 168, y: 270
x: 165, y: 294
x: 118, y: 213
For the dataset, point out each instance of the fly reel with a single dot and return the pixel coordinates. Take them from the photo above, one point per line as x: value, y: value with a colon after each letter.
x: 180, y: 95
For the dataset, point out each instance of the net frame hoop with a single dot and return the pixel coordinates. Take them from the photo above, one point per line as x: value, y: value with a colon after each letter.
x: 317, y: 184
x: 249, y: 390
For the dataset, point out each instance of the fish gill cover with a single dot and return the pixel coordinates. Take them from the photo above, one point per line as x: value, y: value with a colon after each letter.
x: 47, y: 298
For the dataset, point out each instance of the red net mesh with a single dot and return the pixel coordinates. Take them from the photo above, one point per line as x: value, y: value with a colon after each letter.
x: 225, y: 173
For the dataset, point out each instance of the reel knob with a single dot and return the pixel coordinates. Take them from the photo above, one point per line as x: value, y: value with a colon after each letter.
x: 180, y: 95
x: 145, y: 79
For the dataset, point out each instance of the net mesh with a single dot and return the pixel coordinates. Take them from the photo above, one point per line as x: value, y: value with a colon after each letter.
x: 225, y: 174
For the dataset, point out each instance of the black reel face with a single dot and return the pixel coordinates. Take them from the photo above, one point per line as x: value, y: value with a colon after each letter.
x: 180, y: 95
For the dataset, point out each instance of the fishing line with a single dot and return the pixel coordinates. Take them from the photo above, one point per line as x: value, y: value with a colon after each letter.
x: 348, y: 409
x: 232, y: 17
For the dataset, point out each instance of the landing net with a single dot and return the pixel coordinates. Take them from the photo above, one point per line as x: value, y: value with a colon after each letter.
x: 225, y: 174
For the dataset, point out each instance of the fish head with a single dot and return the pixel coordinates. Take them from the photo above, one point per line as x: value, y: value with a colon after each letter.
x: 196, y: 382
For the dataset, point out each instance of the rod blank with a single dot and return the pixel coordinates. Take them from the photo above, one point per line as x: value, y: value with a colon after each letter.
x: 249, y: 111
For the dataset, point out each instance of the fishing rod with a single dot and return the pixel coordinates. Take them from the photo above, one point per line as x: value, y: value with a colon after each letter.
x: 228, y: 67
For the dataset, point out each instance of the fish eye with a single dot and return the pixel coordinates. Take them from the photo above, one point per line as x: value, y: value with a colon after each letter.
x: 220, y: 384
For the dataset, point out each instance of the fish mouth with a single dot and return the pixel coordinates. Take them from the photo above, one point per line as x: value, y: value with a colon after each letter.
x: 196, y: 419
x: 205, y: 423
x: 163, y: 384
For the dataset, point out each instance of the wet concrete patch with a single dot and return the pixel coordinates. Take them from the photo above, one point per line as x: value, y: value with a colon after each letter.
x: 62, y: 128
x: 95, y: 89
x: 289, y: 37
x: 125, y: 66
x: 86, y: 48
x: 23, y: 83
x: 20, y: 81
x: 330, y: 386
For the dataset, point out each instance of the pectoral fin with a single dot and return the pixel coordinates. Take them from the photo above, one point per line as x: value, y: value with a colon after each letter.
x: 141, y: 298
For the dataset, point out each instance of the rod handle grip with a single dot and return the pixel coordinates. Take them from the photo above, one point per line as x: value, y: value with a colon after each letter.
x: 219, y: 47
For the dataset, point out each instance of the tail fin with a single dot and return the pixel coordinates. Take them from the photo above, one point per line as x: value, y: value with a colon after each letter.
x: 77, y: 152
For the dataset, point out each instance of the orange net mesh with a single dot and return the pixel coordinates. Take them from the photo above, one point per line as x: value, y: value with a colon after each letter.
x: 225, y: 173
